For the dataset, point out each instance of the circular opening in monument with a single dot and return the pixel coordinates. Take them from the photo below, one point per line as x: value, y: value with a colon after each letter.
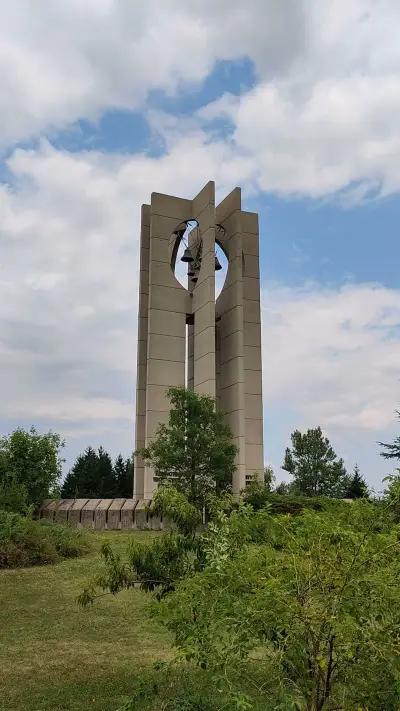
x: 221, y: 263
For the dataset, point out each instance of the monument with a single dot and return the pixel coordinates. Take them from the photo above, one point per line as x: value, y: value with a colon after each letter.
x: 188, y: 338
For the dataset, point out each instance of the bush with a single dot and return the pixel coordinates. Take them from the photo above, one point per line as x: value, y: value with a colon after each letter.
x: 25, y: 542
x: 260, y: 497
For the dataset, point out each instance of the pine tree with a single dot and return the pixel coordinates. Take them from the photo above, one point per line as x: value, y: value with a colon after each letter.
x: 92, y: 475
x: 106, y: 477
x: 123, y: 473
x: 357, y: 487
x: 315, y: 468
x: 392, y: 450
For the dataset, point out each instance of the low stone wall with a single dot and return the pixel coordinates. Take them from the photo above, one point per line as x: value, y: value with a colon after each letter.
x: 102, y: 514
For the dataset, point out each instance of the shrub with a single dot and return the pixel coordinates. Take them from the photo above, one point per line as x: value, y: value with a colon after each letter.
x: 25, y: 542
x: 260, y: 497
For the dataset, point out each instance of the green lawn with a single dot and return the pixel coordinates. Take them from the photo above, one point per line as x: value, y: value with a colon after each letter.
x: 56, y: 656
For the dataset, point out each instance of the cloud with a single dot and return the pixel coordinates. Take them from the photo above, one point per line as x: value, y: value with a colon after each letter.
x: 332, y: 355
x: 75, y: 60
x: 342, y: 135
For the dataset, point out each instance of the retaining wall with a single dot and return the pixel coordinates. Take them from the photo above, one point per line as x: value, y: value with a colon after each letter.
x: 108, y: 514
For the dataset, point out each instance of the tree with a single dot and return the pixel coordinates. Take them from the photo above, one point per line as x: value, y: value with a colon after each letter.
x: 357, y: 487
x: 314, y: 465
x: 92, y: 475
x: 269, y: 477
x: 107, y: 480
x: 392, y: 450
x: 194, y: 450
x: 30, y: 467
x: 123, y: 473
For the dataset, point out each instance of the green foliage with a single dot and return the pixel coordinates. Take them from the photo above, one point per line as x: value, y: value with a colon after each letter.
x: 269, y: 477
x: 393, y: 449
x: 259, y: 497
x: 310, y: 615
x: 123, y: 472
x: 315, y: 468
x: 392, y: 495
x: 94, y: 475
x: 194, y: 450
x: 30, y: 468
x: 171, y: 504
x: 356, y: 487
x: 25, y: 541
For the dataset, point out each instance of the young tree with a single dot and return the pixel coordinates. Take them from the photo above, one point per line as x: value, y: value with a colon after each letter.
x: 269, y: 478
x: 315, y: 468
x: 356, y: 487
x: 30, y: 467
x: 194, y: 450
x: 392, y: 450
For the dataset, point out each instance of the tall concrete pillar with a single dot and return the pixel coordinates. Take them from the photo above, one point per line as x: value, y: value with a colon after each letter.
x: 185, y: 337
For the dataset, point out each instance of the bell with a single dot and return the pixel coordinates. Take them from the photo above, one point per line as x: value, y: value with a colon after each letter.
x: 191, y: 272
x: 194, y: 279
x: 187, y: 256
x: 217, y: 264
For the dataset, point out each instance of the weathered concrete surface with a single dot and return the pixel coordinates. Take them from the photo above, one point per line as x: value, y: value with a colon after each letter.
x: 101, y: 514
x: 222, y: 338
x: 61, y: 514
x: 128, y: 514
x: 114, y: 514
x: 74, y: 513
x: 87, y: 515
x: 48, y: 508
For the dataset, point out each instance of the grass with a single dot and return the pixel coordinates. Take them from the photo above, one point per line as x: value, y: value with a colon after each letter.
x: 56, y: 656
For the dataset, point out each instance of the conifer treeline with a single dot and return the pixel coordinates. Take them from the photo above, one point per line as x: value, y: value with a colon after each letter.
x: 94, y: 475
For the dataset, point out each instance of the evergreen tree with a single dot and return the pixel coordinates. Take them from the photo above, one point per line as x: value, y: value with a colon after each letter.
x: 106, y: 476
x: 357, y: 487
x: 123, y: 473
x: 315, y: 468
x: 392, y: 450
x: 92, y: 475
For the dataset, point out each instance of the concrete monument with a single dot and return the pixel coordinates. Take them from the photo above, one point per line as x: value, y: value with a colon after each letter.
x: 188, y: 338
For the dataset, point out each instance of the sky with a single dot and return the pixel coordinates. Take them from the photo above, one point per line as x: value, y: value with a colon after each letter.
x: 297, y: 102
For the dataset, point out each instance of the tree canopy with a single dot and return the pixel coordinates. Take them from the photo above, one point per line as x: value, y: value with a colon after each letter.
x: 194, y: 450
x: 30, y: 467
x: 94, y: 475
x: 392, y: 451
x: 315, y: 467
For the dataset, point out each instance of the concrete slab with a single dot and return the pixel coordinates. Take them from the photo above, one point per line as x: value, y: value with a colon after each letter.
x: 49, y: 508
x: 128, y: 514
x: 74, y: 513
x: 141, y: 515
x: 61, y: 514
x: 87, y: 514
x: 114, y: 514
x: 100, y: 514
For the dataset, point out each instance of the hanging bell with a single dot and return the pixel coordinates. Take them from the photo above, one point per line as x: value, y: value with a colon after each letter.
x: 191, y: 272
x: 217, y: 264
x: 187, y: 256
x: 194, y: 279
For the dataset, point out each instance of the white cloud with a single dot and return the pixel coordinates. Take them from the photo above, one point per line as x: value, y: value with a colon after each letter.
x: 332, y: 355
x: 322, y: 117
x: 68, y: 60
